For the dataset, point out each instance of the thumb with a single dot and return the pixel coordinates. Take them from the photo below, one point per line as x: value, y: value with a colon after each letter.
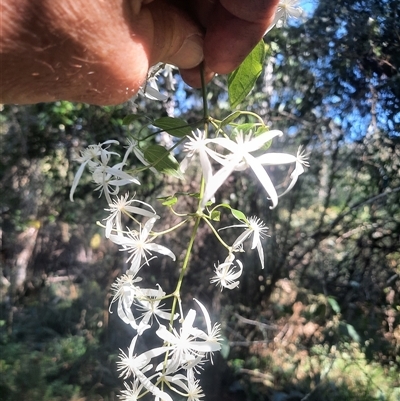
x: 173, y: 37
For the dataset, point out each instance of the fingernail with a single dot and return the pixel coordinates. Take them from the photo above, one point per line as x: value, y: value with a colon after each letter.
x: 190, y: 54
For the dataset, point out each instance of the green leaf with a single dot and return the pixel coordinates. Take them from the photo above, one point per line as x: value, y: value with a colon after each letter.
x: 169, y: 200
x: 233, y: 116
x: 242, y: 80
x: 334, y: 305
x: 238, y: 214
x: 225, y: 347
x: 353, y: 333
x: 131, y: 118
x: 216, y: 215
x: 162, y: 160
x: 246, y: 127
x: 174, y: 126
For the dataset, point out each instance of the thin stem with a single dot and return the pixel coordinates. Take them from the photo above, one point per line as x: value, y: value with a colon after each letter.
x: 185, y: 266
x: 204, y: 96
x: 217, y: 235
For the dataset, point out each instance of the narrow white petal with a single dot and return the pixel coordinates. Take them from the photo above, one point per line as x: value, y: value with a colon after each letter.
x: 140, y: 211
x: 269, y: 159
x: 160, y: 249
x: 260, y: 253
x: 259, y: 141
x: 294, y: 176
x: 153, y: 94
x: 121, y: 174
x: 76, y: 180
x: 205, y: 165
x: 206, y: 315
x: 242, y: 237
x: 216, y: 181
x: 264, y: 179
x: 165, y: 335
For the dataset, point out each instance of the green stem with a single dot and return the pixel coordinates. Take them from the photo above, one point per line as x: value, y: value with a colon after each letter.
x: 185, y: 266
x: 204, y: 96
x: 217, y: 235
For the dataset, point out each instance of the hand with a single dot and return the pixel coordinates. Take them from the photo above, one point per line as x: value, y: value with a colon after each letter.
x: 99, y: 51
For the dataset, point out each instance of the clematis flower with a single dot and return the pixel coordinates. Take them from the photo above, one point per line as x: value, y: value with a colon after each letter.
x: 125, y: 293
x: 239, y: 159
x: 122, y: 206
x: 197, y: 145
x: 133, y: 147
x: 139, y: 245
x: 300, y: 161
x: 254, y: 226
x: 213, y: 333
x: 190, y: 386
x: 150, y: 90
x: 93, y: 155
x: 138, y: 365
x: 110, y: 179
x: 189, y: 344
x: 225, y: 274
x: 132, y: 391
x: 286, y: 9
x: 149, y: 305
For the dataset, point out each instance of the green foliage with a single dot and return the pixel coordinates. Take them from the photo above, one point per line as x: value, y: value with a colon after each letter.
x: 176, y: 127
x: 162, y: 160
x: 55, y: 351
x: 242, y: 80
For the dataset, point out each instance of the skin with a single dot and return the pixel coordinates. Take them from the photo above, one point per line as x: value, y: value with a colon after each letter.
x: 99, y: 51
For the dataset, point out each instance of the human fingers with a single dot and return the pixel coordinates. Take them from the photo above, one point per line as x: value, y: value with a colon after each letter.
x: 233, y: 28
x: 236, y: 27
x: 96, y: 52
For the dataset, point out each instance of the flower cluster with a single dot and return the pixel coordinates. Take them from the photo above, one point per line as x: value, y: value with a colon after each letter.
x: 173, y: 366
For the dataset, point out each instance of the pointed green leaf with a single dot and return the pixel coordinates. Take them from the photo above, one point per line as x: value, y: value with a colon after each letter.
x: 242, y: 80
x: 174, y: 126
x: 227, y: 120
x: 334, y: 305
x: 162, y: 160
x: 238, y: 214
x: 131, y: 118
x: 170, y: 201
x: 246, y: 127
x: 216, y: 215
x: 353, y: 333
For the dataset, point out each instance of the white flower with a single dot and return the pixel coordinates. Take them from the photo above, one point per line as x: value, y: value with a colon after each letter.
x: 133, y: 147
x: 125, y: 293
x: 151, y: 91
x: 93, y: 155
x: 188, y: 345
x: 300, y: 161
x: 286, y: 9
x: 197, y: 144
x: 123, y: 206
x: 225, y: 275
x: 239, y: 159
x: 192, y: 388
x: 131, y: 393
x: 138, y: 365
x: 149, y: 304
x: 254, y: 226
x: 139, y: 244
x: 109, y: 179
x: 213, y: 333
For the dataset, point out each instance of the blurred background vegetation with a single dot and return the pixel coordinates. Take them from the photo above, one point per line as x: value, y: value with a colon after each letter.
x: 321, y: 322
